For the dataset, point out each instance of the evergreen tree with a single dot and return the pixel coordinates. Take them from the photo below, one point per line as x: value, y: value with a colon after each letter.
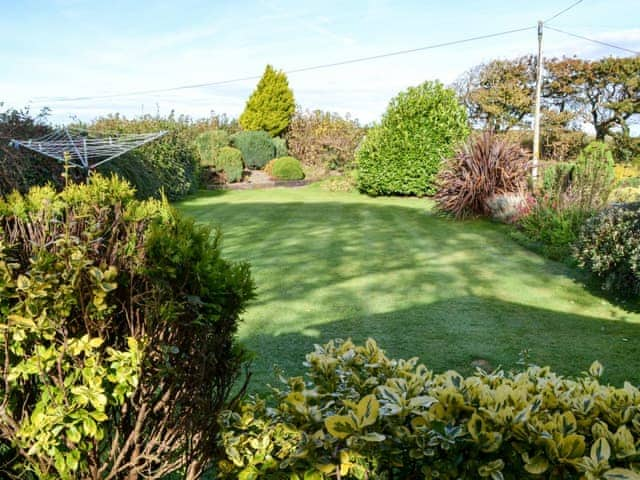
x: 271, y: 105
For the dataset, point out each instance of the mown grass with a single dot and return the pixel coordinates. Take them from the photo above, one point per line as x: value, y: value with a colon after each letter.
x: 452, y: 293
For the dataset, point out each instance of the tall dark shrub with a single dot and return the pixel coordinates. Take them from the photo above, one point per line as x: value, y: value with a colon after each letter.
x: 404, y: 153
x: 257, y: 148
x: 118, y: 319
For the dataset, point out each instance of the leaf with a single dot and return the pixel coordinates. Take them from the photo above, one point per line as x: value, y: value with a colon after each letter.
x: 312, y: 475
x: 571, y: 446
x: 249, y: 473
x: 340, y: 426
x: 600, y: 450
x: 373, y: 437
x: 621, y: 474
x: 475, y: 426
x: 367, y: 411
x: 595, y: 370
x: 537, y: 465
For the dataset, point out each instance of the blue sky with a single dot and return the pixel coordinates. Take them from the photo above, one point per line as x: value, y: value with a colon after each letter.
x: 70, y: 48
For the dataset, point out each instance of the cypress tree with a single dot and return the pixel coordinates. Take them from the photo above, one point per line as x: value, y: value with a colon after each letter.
x: 271, y: 105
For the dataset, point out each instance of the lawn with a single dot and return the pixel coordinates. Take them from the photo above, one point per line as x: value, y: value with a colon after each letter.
x: 330, y: 265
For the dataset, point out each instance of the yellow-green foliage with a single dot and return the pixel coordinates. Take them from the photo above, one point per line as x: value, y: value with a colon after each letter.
x: 361, y: 415
x: 625, y: 195
x: 271, y: 105
x: 117, y: 323
x: 209, y: 144
x: 625, y: 171
x: 286, y: 168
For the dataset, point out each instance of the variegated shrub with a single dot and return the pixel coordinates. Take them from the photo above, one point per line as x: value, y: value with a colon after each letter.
x: 362, y: 415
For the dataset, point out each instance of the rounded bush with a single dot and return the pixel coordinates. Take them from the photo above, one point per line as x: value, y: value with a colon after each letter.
x: 229, y: 162
x: 609, y: 247
x: 209, y: 144
x: 257, y: 148
x: 286, y: 168
x: 118, y: 334
x: 403, y: 154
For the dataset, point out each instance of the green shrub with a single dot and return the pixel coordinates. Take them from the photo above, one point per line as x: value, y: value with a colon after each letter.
x: 593, y: 177
x: 324, y: 140
x: 171, y: 162
x: 229, y: 162
x: 358, y: 414
x: 209, y: 144
x: 118, y: 330
x: 271, y: 105
x: 403, y: 154
x: 286, y: 168
x: 609, y: 247
x: 553, y: 230
x: 280, y: 147
x: 257, y: 148
x: 485, y: 167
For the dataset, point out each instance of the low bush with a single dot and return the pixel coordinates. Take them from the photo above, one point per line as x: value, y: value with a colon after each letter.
x: 286, y: 168
x: 570, y: 194
x: 118, y: 326
x: 209, y: 144
x: 229, y: 163
x: 624, y: 172
x: 485, y: 167
x: 324, y: 140
x: 403, y: 154
x: 257, y: 148
x: 609, y: 247
x: 358, y: 414
x: 553, y: 230
x: 280, y: 147
x: 346, y: 182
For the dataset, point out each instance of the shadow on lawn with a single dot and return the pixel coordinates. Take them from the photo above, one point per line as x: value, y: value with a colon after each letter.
x: 456, y: 291
x: 454, y: 333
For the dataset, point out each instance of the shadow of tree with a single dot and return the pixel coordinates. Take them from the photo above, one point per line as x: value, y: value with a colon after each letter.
x: 449, y: 292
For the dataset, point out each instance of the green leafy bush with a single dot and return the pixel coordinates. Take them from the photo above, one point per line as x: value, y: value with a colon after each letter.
x: 485, y: 167
x: 271, y: 105
x: 118, y: 319
x: 358, y: 414
x: 286, y: 168
x: 257, y: 148
x: 171, y: 163
x: 403, y: 154
x: 324, y: 140
x: 209, y: 144
x: 593, y: 177
x: 280, y: 147
x: 229, y: 162
x: 609, y: 247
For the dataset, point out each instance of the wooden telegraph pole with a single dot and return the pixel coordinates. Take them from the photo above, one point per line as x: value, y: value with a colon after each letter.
x: 536, y: 113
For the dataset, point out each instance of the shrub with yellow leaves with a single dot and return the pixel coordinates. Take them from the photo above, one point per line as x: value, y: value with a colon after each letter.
x: 362, y: 415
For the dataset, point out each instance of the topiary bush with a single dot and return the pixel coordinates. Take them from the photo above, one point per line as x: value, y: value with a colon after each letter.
x: 280, y: 147
x: 229, y: 162
x: 485, y: 167
x: 257, y: 148
x: 118, y: 326
x: 403, y: 154
x: 209, y: 144
x: 609, y: 247
x: 286, y: 168
x: 358, y: 414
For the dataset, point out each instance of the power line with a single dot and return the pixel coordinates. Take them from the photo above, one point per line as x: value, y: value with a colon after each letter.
x: 297, y: 70
x: 563, y: 11
x: 635, y: 52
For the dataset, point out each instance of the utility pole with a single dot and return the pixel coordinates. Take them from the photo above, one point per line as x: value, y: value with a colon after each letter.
x: 536, y: 113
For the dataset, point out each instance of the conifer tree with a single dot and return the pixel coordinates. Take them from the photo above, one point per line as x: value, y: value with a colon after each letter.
x: 271, y: 105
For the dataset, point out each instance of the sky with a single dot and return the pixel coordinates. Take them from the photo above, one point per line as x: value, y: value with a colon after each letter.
x: 61, y: 49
